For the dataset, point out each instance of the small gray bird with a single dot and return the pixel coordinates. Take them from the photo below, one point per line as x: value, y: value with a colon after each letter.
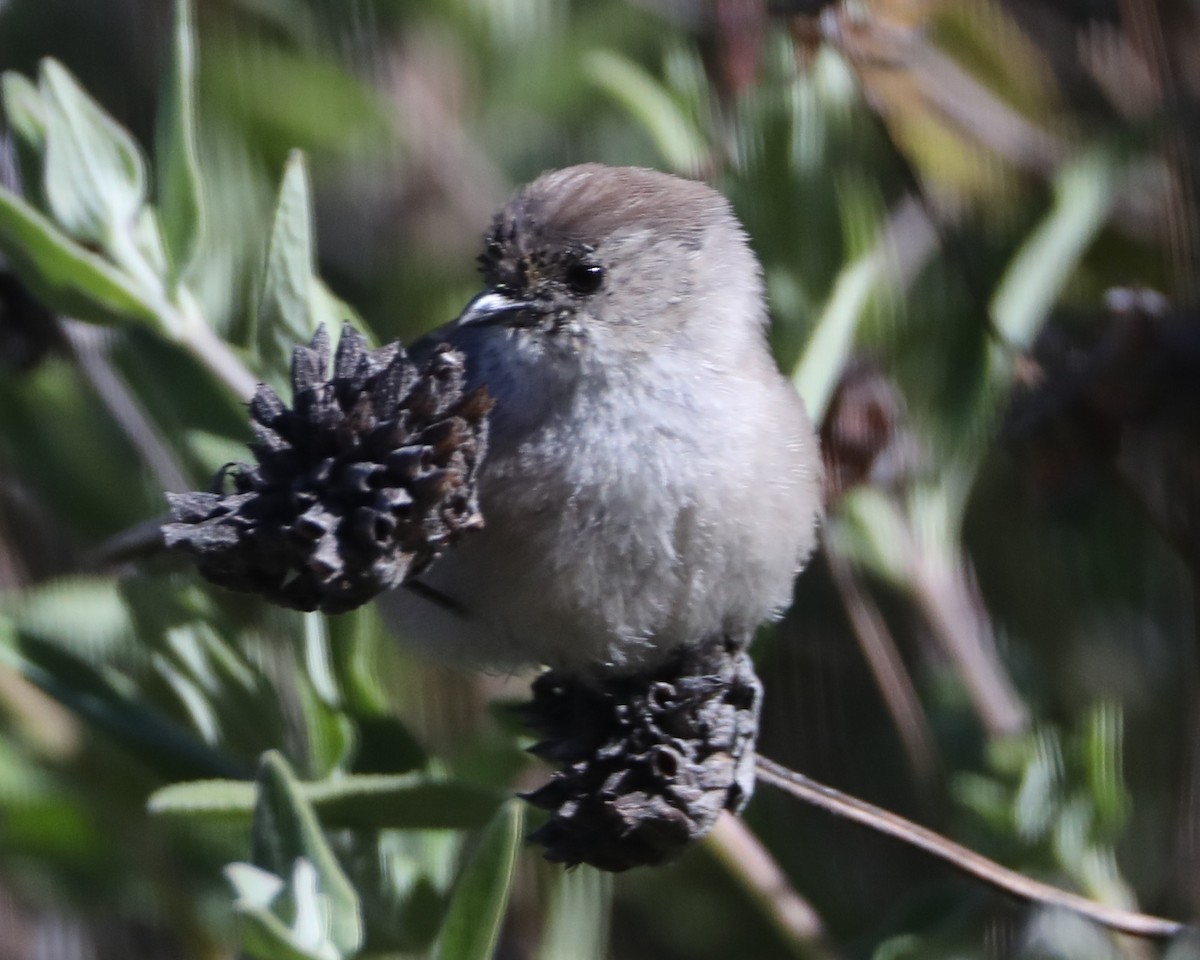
x: 652, y: 480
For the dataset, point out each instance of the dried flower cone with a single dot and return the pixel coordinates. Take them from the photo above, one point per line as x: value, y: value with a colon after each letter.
x: 648, y: 762
x: 360, y: 485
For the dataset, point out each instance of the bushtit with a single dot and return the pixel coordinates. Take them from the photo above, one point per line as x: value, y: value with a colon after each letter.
x: 652, y: 480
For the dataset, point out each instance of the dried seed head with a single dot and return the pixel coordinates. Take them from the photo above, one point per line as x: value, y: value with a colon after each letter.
x: 647, y: 762
x: 359, y: 486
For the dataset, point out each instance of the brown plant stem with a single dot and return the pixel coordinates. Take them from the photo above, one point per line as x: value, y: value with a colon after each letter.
x: 1016, y: 884
x: 888, y: 668
x: 89, y: 347
x: 946, y: 593
x: 744, y: 856
x: 211, y: 350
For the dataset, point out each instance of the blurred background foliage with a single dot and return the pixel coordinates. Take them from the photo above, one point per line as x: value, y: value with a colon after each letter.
x: 978, y: 224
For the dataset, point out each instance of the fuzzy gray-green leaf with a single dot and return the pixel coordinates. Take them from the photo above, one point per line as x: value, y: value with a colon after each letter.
x: 365, y: 801
x: 67, y: 277
x: 94, y: 177
x: 285, y: 829
x: 180, y: 186
x: 481, y: 895
x: 285, y: 311
x: 26, y: 114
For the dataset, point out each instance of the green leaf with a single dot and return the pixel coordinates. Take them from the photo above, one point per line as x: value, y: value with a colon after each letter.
x: 1102, y: 750
x: 86, y: 615
x: 180, y: 185
x: 65, y: 276
x: 157, y: 741
x: 673, y: 133
x: 26, y: 115
x: 354, y: 644
x: 253, y: 885
x: 869, y: 528
x: 284, y: 830
x: 481, y: 895
x: 386, y: 746
x: 578, y: 919
x: 261, y: 899
x: 331, y: 735
x: 860, y: 284
x: 201, y: 710
x: 24, y: 109
x: 829, y: 347
x: 94, y: 177
x: 364, y: 801
x: 1038, y: 800
x: 332, y: 310
x: 1083, y: 196
x: 285, y: 309
x: 318, y: 662
x: 266, y: 937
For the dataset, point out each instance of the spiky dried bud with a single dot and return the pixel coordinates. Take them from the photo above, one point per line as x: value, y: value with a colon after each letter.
x: 647, y: 762
x: 360, y: 485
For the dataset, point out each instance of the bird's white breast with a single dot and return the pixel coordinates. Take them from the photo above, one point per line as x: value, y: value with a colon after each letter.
x: 621, y: 521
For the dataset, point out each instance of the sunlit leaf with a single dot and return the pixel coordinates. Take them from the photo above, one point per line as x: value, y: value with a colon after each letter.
x: 318, y: 661
x: 263, y: 900
x: 578, y: 917
x: 26, y: 115
x: 1083, y: 196
x: 94, y: 178
x: 86, y: 615
x: 67, y: 277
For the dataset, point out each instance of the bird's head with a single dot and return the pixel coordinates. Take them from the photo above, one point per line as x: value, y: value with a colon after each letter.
x: 618, y: 257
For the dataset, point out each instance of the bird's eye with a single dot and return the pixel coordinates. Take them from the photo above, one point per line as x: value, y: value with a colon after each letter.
x: 585, y: 277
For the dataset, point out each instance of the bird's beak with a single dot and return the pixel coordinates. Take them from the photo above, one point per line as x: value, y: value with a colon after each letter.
x: 492, y: 308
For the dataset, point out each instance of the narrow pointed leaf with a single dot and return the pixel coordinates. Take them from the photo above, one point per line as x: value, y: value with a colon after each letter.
x: 673, y: 133
x: 285, y: 315
x: 1084, y: 192
x: 412, y: 802
x: 94, y: 177
x: 24, y: 110
x: 65, y: 276
x: 578, y: 919
x: 26, y: 114
x: 481, y: 896
x: 286, y: 829
x: 166, y: 748
x: 180, y: 187
x: 253, y: 885
x: 267, y: 937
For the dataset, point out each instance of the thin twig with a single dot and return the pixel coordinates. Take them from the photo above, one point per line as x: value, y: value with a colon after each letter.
x: 748, y: 861
x: 946, y: 593
x: 887, y: 666
x: 851, y: 808
x: 89, y: 347
x: 197, y: 336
